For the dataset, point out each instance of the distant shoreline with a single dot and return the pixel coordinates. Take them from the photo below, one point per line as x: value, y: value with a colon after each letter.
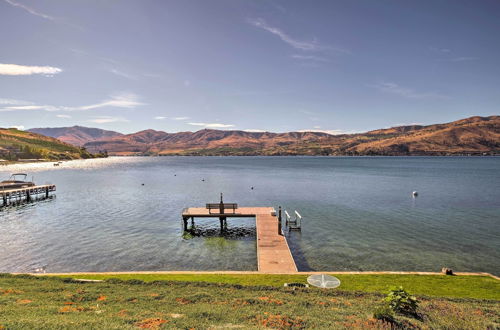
x: 4, y: 162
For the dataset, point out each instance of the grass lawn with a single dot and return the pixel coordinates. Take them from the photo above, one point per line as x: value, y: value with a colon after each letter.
x: 480, y: 287
x: 55, y: 303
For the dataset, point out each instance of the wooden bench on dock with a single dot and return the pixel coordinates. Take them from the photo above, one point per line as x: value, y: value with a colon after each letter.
x: 221, y: 207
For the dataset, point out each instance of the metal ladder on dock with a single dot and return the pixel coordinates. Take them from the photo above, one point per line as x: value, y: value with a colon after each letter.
x: 295, y: 223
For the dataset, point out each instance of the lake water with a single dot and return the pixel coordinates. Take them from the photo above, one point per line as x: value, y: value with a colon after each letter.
x: 358, y: 213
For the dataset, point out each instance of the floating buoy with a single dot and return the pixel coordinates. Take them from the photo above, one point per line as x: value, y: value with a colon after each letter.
x: 251, y: 188
x: 415, y: 193
x: 142, y: 184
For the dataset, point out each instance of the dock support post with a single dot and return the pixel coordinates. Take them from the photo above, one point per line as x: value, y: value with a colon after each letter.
x: 46, y: 192
x: 279, y: 221
x: 223, y: 223
x: 185, y: 220
x: 28, y: 196
x: 4, y: 197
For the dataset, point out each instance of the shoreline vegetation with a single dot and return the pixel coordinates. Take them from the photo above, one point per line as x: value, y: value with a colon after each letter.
x: 246, y: 301
x: 21, y: 147
x: 4, y: 162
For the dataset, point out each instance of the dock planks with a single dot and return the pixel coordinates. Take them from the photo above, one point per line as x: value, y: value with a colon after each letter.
x: 273, y: 253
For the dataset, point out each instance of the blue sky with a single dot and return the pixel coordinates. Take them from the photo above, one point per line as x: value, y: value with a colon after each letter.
x: 185, y: 65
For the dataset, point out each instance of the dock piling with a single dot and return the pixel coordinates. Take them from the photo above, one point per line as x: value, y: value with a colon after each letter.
x: 280, y: 231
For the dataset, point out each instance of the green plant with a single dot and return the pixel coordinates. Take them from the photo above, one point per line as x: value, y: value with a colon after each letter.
x: 402, y: 302
x: 384, y: 313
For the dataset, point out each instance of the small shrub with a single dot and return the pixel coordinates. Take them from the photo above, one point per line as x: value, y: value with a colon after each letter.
x: 114, y: 280
x: 134, y: 282
x: 384, y: 313
x: 160, y: 282
x: 400, y: 301
x: 68, y: 280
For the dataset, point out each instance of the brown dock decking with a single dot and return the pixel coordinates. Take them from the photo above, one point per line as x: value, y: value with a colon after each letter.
x: 17, y: 195
x: 273, y: 253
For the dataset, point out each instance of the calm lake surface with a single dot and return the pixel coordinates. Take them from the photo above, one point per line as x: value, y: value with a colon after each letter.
x: 358, y: 213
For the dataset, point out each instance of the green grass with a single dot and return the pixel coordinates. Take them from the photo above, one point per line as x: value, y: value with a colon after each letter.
x: 55, y: 303
x: 480, y: 287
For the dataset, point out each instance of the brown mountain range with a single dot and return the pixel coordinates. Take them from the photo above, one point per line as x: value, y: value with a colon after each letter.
x: 75, y: 135
x: 475, y: 135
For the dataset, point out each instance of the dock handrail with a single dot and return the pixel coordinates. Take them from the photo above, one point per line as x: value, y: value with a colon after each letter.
x: 288, y: 218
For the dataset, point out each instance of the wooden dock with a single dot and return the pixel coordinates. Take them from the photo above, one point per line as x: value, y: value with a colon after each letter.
x: 26, y: 194
x: 273, y: 253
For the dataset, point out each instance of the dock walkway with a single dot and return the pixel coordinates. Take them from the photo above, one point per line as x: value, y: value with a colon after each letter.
x: 17, y: 195
x: 273, y: 253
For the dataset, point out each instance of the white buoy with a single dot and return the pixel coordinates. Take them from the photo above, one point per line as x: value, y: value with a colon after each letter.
x: 415, y: 193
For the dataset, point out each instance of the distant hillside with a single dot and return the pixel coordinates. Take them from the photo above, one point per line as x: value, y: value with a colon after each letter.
x: 204, y: 142
x: 475, y: 135
x: 15, y: 145
x: 76, y: 135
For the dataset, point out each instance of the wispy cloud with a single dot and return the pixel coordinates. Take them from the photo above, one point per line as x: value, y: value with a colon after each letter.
x: 326, y: 131
x: 463, y: 59
x: 393, y: 88
x: 310, y: 58
x: 180, y: 118
x: 63, y: 116
x: 29, y: 10
x: 253, y: 130
x: 310, y: 45
x: 212, y: 125
x: 307, y: 112
x: 160, y: 118
x: 440, y: 49
x: 107, y: 119
x: 122, y: 100
x: 24, y: 70
x: 405, y: 124
x: 122, y: 74
x: 37, y: 13
x: 81, y: 52
x: 30, y: 107
x: 13, y: 102
x: 295, y: 43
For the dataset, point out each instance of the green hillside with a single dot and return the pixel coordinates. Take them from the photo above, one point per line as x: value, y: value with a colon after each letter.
x: 18, y: 145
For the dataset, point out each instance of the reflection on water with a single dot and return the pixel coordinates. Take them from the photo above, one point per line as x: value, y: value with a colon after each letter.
x: 359, y: 213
